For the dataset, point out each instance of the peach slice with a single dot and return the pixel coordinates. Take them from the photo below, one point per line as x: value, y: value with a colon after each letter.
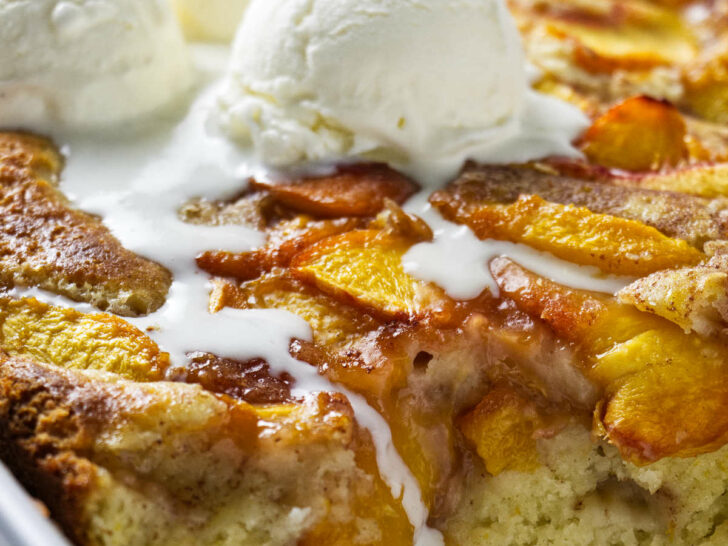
x: 570, y: 313
x: 501, y: 428
x: 357, y: 190
x: 283, y: 244
x: 664, y: 389
x: 614, y: 245
x: 364, y: 268
x: 640, y: 134
x: 670, y: 408
x: 334, y: 323
x: 609, y: 36
x: 708, y: 181
x: 686, y: 217
x: 69, y: 339
x: 594, y: 323
x: 706, y: 84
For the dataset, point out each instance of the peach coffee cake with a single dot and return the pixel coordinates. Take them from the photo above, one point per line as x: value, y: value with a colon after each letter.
x: 535, y: 413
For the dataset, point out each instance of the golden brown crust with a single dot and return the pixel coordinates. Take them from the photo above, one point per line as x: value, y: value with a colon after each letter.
x: 82, y: 440
x: 44, y: 242
x: 40, y: 435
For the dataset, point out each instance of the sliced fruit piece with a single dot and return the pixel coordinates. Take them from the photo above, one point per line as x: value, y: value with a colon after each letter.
x: 594, y: 323
x: 571, y: 313
x: 68, y: 339
x: 663, y: 343
x: 284, y: 242
x: 687, y: 217
x: 501, y: 428
x: 706, y: 84
x: 334, y: 324
x: 610, y: 36
x: 640, y: 134
x: 708, y: 181
x: 615, y: 245
x: 364, y: 268
x: 696, y: 299
x: 361, y: 367
x: 669, y: 408
x: 356, y: 190
x: 664, y: 388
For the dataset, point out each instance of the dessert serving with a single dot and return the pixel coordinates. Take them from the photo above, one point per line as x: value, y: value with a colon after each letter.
x: 377, y: 272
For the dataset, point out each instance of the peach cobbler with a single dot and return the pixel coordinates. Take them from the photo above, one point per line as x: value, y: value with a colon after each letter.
x: 532, y: 351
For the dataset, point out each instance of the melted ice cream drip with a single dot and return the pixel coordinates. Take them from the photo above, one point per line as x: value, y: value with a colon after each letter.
x: 458, y: 261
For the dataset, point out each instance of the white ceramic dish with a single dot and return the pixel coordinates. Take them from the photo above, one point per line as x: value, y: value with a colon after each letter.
x: 21, y: 523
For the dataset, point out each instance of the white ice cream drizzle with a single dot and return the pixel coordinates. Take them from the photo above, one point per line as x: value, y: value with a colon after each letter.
x: 457, y: 260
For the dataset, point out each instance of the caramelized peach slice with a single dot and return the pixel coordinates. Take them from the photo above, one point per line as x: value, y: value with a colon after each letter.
x: 570, y: 313
x: 69, y: 339
x: 640, y: 134
x: 610, y: 36
x: 365, y: 268
x: 501, y: 428
x: 283, y: 244
x: 593, y: 322
x: 674, y: 408
x: 663, y: 343
x: 615, y: 245
x: 358, y: 190
x: 686, y: 217
x: 664, y: 388
x: 708, y: 181
x: 363, y: 368
x: 334, y: 324
x: 706, y: 86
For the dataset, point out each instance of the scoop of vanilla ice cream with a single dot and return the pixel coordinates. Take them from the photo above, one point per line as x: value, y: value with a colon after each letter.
x: 87, y: 63
x: 213, y: 20
x: 407, y: 80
